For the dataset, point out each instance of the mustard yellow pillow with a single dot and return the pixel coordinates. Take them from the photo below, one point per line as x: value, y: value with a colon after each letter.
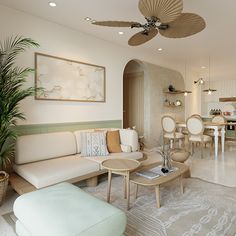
x: 113, y: 141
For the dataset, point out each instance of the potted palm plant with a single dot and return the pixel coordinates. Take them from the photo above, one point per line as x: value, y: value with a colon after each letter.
x: 12, y: 92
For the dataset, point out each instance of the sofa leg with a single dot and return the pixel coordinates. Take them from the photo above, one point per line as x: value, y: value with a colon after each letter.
x: 92, y: 182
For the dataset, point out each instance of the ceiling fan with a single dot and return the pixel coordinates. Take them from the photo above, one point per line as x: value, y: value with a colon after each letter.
x: 164, y: 16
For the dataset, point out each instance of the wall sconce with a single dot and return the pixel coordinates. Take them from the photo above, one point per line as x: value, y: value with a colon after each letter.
x: 199, y: 81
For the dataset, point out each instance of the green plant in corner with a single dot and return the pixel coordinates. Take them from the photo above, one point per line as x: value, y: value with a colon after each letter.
x: 12, y: 92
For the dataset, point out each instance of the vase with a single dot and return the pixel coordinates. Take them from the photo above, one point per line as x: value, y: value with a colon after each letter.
x: 3, y: 185
x: 166, y: 161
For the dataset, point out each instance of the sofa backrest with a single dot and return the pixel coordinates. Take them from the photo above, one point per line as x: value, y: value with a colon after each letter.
x: 37, y: 147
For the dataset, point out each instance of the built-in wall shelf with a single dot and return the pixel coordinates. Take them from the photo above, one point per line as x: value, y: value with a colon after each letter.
x: 172, y: 106
x: 174, y: 92
x: 230, y: 99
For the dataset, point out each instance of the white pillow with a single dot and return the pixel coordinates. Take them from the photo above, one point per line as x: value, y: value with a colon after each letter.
x: 126, y: 148
x: 93, y: 144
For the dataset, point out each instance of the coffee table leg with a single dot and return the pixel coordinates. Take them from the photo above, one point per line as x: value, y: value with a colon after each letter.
x: 157, y: 189
x: 136, y: 191
x: 181, y: 184
x: 127, y: 189
x: 109, y: 186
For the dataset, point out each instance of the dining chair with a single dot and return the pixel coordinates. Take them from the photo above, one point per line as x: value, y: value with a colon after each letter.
x: 185, y: 130
x: 195, y: 129
x: 218, y: 119
x: 196, y: 115
x: 169, y: 131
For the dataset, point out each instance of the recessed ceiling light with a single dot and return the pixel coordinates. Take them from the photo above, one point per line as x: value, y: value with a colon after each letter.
x: 87, y: 18
x: 121, y: 32
x: 203, y: 67
x: 52, y: 4
x: 93, y: 21
x: 159, y: 49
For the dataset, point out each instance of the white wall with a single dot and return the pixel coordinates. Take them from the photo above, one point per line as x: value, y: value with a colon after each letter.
x: 193, y: 100
x: 63, y: 42
x: 156, y: 81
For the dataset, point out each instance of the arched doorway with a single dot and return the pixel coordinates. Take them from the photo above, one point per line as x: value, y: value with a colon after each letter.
x: 133, y: 96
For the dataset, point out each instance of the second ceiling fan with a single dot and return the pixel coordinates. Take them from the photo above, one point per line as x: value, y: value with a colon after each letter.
x: 163, y: 16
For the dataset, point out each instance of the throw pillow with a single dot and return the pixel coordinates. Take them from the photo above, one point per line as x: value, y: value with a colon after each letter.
x: 113, y: 141
x: 93, y: 144
x: 126, y: 148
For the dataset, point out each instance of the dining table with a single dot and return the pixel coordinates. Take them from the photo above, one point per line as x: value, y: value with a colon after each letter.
x: 219, y: 128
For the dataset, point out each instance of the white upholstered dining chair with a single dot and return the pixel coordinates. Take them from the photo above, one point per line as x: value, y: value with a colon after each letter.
x: 169, y: 131
x: 218, y: 119
x: 195, y: 133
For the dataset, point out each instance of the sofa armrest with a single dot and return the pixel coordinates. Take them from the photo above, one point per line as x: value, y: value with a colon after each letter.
x: 129, y: 137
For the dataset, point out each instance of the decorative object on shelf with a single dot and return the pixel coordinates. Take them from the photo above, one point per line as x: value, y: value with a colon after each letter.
x: 165, y: 17
x: 68, y: 80
x: 228, y: 109
x: 199, y: 81
x: 209, y: 90
x: 12, y: 92
x: 171, y: 88
x: 215, y: 112
x: 178, y: 103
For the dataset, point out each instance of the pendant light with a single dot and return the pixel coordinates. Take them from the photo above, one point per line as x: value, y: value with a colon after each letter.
x: 209, y: 90
x: 185, y: 92
x: 199, y: 81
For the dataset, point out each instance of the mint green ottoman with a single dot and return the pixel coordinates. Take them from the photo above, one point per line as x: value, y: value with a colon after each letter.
x: 66, y: 210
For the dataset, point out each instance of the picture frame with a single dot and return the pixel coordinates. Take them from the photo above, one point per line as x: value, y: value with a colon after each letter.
x: 62, y: 79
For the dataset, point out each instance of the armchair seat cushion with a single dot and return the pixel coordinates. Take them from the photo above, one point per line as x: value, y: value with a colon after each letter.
x: 171, y: 136
x: 205, y: 138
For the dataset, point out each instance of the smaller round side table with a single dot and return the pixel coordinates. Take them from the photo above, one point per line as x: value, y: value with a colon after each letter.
x: 120, y: 167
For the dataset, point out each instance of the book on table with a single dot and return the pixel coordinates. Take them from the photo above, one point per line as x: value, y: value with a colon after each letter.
x: 154, y: 172
x: 148, y: 174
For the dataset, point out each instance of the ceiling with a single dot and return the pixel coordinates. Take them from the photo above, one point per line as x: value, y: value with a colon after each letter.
x: 217, y: 40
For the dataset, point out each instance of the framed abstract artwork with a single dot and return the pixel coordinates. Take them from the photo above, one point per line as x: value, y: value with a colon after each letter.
x: 67, y: 80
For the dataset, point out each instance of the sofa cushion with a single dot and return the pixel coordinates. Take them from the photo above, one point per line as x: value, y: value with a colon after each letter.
x: 66, y: 210
x: 113, y: 141
x: 93, y: 144
x: 122, y: 155
x: 49, y: 172
x: 37, y: 147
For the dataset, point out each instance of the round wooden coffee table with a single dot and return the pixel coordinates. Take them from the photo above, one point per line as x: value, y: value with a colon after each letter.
x: 156, y: 182
x: 120, y: 167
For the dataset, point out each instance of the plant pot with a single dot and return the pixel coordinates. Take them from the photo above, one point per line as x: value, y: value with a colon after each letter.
x: 4, y: 177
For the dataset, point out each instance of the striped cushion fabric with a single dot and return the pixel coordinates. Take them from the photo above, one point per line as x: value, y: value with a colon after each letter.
x: 93, y: 144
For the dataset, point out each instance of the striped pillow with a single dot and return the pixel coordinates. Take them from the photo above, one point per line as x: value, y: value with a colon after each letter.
x: 93, y: 144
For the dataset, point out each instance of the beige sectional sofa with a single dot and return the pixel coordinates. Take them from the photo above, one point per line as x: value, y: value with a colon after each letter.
x: 46, y: 159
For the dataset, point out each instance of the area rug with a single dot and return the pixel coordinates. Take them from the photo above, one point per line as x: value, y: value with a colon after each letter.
x: 205, y: 209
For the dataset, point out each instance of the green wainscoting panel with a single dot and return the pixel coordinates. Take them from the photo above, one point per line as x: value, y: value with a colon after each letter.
x: 60, y: 127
